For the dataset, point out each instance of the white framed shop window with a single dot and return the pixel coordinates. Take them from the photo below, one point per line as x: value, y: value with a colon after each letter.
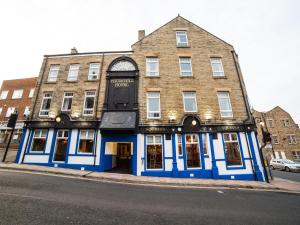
x: 232, y: 150
x: 61, y: 145
x: 205, y: 143
x: 179, y: 144
x: 192, y: 151
x: 154, y: 152
x: 86, y: 141
x: 39, y: 140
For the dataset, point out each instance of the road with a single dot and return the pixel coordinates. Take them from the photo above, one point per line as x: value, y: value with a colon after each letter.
x: 27, y: 198
x: 286, y: 175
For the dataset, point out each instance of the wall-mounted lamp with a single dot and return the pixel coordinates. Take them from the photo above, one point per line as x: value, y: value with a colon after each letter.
x: 58, y: 119
x: 194, y: 122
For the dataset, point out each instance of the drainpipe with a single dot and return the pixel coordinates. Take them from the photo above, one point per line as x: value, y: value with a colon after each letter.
x: 98, y: 94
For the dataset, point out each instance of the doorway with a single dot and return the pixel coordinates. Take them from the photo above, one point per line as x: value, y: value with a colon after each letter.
x: 124, y: 156
x: 61, y: 146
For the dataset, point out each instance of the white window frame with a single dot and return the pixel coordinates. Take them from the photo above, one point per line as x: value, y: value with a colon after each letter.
x: 87, y: 94
x: 9, y: 111
x: 270, y: 122
x: 45, y: 110
x: 222, y: 111
x: 179, y: 142
x: 39, y: 136
x: 31, y: 93
x: 26, y: 110
x: 219, y: 73
x: 3, y: 95
x: 53, y: 73
x: 194, y: 98
x: 93, y: 66
x: 178, y: 42
x: 86, y: 138
x: 286, y: 122
x: 181, y: 61
x: 239, y: 146
x: 148, y: 112
x: 190, y: 143
x: 73, y: 72
x: 17, y: 94
x: 57, y: 138
x: 296, y: 154
x: 150, y: 60
x: 291, y: 139
x: 67, y: 96
x: 275, y: 137
x: 156, y: 143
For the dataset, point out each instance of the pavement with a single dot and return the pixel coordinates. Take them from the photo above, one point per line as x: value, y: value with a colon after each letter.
x: 277, y: 184
x: 41, y: 198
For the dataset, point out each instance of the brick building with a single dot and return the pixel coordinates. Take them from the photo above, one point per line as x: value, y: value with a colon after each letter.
x: 174, y: 105
x: 284, y: 131
x: 15, y: 95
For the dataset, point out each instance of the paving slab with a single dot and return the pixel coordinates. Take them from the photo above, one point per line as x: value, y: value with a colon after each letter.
x: 275, y: 185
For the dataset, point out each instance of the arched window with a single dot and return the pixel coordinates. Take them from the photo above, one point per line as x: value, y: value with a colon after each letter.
x: 123, y: 65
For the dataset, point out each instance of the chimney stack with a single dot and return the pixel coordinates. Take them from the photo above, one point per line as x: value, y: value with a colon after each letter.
x: 141, y: 34
x: 74, y: 50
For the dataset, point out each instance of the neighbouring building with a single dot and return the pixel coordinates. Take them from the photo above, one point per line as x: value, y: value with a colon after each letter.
x: 15, y: 95
x: 285, y: 133
x: 174, y: 106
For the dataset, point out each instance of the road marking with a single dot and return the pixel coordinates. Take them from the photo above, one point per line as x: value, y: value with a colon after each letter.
x: 220, y: 192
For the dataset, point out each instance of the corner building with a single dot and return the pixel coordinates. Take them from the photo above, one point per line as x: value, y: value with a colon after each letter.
x: 173, y: 106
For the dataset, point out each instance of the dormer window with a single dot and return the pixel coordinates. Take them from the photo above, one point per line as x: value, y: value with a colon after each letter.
x: 182, y: 39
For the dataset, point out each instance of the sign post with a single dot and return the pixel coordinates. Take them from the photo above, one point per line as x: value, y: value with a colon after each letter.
x: 268, y: 148
x: 11, y: 123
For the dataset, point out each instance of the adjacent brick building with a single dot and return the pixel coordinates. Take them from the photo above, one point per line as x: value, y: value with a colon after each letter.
x: 15, y: 95
x: 174, y: 105
x: 284, y: 131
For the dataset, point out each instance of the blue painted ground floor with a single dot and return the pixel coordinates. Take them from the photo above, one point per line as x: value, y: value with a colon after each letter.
x: 232, y: 155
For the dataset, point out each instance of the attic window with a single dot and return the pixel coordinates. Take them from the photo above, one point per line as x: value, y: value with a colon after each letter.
x: 182, y: 39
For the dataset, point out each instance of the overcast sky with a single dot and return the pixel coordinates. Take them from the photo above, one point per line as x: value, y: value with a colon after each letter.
x: 265, y: 34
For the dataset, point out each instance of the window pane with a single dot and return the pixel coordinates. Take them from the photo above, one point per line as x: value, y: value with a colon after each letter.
x: 233, y: 156
x: 158, y: 139
x: 86, y: 146
x: 204, y: 143
x: 154, y: 156
x: 89, y: 102
x: 38, y: 144
x: 192, y: 155
x: 153, y: 104
x: 190, y: 105
x: 149, y: 139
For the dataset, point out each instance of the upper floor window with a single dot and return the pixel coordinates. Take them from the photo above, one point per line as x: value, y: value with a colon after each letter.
x: 185, y: 66
x: 3, y: 95
x: 45, y: 106
x: 275, y: 139
x: 182, y: 39
x: 292, y: 139
x: 153, y: 105
x: 67, y: 101
x: 286, y: 122
x: 89, y: 101
x: 217, y: 67
x: 39, y: 140
x: 9, y: 111
x: 189, y: 102
x: 232, y: 149
x: 86, y: 142
x: 296, y: 154
x: 73, y: 72
x: 17, y: 94
x: 152, y: 66
x: 224, y: 104
x: 31, y: 92
x: 94, y: 71
x: 270, y: 123
x: 53, y: 73
x: 26, y: 111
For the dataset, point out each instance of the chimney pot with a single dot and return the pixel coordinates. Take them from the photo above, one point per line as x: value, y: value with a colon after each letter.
x: 141, y: 34
x: 74, y: 50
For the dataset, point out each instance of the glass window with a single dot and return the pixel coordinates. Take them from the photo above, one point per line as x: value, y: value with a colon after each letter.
x: 224, y: 104
x: 296, y: 154
x: 86, y: 142
x: 46, y: 104
x: 0, y: 111
x: 73, y: 72
x: 182, y: 39
x: 185, y: 66
x: 269, y: 122
x: 26, y: 111
x: 94, y: 71
x: 153, y: 105
x: 53, y: 73
x: 217, y: 67
x: 192, y: 151
x: 179, y: 138
x: 291, y: 139
x: 17, y: 94
x: 3, y: 95
x: 9, y: 111
x: 39, y: 140
x: 286, y: 122
x: 154, y: 152
x: 152, y: 66
x: 67, y: 101
x: 232, y: 149
x: 275, y: 139
x: 189, y: 102
x: 204, y: 143
x: 88, y: 108
x: 31, y: 92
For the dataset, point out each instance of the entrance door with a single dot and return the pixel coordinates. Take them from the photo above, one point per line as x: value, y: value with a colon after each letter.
x: 61, y: 146
x: 124, y: 156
